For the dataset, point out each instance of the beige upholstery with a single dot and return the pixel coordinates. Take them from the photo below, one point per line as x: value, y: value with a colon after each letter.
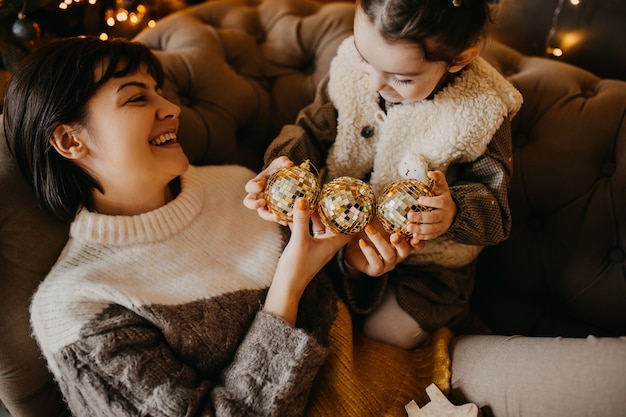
x: 30, y: 241
x: 240, y: 69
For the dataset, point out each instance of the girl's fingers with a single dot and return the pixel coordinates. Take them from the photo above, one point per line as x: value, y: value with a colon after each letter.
x: 381, y: 243
x: 375, y: 263
x: 403, y: 248
x: 256, y: 184
x: 265, y: 214
x: 254, y: 201
x: 381, y: 253
x: 416, y: 243
x: 278, y: 163
x: 440, y: 185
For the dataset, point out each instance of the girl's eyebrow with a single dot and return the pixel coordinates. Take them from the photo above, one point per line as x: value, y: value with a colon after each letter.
x: 410, y: 74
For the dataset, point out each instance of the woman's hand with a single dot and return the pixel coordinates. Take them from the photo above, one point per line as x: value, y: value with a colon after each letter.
x: 377, y: 252
x: 255, y: 199
x: 303, y: 257
x: 427, y: 225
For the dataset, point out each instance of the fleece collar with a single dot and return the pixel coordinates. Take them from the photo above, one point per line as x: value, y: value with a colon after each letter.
x: 455, y: 126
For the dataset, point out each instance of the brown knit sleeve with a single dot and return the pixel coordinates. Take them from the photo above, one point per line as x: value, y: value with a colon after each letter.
x: 480, y: 191
x: 311, y: 135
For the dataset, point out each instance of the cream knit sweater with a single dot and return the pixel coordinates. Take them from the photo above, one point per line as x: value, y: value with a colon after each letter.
x: 160, y: 315
x: 141, y: 314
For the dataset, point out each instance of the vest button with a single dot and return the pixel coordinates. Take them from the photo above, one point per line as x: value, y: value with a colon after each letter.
x: 367, y: 132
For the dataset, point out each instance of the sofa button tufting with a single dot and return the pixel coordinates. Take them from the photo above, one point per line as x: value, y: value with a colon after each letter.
x: 617, y: 256
x: 588, y: 93
x: 608, y: 168
x: 367, y: 132
x: 309, y: 68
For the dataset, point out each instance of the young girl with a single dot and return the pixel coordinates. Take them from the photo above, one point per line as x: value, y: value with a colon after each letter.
x: 408, y: 96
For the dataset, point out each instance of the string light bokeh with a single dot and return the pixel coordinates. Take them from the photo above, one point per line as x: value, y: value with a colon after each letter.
x: 558, y: 43
x: 125, y: 16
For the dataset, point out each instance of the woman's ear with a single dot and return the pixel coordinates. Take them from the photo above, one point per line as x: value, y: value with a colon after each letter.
x: 67, y: 144
x: 464, y: 58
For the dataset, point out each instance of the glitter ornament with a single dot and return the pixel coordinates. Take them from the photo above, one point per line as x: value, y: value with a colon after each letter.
x: 286, y: 185
x: 398, y: 199
x: 346, y: 205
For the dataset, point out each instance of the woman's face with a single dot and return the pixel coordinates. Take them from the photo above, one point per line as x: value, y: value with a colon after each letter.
x: 130, y: 134
x: 398, y: 71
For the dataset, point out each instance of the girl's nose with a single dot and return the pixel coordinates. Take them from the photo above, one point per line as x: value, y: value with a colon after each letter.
x: 376, y: 80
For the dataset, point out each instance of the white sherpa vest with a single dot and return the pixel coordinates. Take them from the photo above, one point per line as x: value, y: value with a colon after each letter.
x: 455, y: 126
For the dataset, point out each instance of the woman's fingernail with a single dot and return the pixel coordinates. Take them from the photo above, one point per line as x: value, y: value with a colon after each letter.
x: 395, y: 238
x: 301, y: 204
x: 370, y: 229
x: 362, y: 243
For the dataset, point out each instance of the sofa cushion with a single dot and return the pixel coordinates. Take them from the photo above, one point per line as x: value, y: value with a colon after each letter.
x: 30, y: 241
x: 563, y: 269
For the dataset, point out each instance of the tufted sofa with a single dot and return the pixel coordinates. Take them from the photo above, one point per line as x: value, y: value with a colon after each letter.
x: 240, y: 69
x: 563, y: 269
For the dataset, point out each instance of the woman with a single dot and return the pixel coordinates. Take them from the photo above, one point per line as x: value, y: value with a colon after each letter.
x: 171, y: 298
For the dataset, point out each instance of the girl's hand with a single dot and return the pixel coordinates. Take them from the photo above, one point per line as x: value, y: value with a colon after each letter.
x: 427, y: 225
x: 377, y: 252
x: 303, y: 257
x: 255, y: 199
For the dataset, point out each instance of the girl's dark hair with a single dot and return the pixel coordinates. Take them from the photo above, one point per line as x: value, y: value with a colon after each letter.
x: 452, y: 25
x: 50, y: 87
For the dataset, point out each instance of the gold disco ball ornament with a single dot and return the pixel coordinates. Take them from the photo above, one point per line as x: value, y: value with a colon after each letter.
x: 288, y: 184
x: 398, y: 199
x: 346, y: 205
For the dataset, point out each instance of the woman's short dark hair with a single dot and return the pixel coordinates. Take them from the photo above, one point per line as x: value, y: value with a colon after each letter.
x: 452, y: 25
x: 50, y: 87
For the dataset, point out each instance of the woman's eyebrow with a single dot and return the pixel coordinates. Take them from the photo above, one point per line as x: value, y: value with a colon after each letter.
x: 132, y: 84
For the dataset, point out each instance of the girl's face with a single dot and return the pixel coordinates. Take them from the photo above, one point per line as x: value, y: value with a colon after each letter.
x: 398, y: 70
x: 130, y: 141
